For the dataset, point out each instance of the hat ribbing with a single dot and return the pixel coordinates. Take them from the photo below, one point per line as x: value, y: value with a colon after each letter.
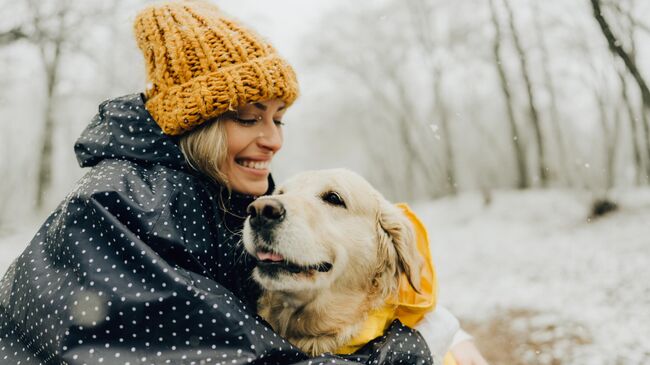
x: 201, y: 64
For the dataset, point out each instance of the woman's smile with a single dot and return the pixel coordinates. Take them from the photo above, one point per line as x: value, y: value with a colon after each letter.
x: 254, y: 167
x: 253, y: 164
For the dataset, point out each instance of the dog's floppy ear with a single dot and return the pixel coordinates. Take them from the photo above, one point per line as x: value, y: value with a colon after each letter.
x: 397, y: 230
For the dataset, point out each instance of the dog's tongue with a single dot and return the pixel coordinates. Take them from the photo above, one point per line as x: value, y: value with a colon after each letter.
x: 269, y: 256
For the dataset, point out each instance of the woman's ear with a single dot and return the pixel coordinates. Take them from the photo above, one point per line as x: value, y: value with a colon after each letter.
x: 398, y: 231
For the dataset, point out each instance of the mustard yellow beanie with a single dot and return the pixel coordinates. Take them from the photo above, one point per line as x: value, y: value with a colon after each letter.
x: 201, y: 64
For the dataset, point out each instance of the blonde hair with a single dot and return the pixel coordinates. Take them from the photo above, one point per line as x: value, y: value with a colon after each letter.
x: 206, y: 150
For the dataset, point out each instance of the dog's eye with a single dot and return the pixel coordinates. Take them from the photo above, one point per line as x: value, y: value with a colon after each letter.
x: 333, y: 198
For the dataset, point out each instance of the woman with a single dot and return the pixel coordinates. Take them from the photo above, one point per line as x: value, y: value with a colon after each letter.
x: 140, y: 264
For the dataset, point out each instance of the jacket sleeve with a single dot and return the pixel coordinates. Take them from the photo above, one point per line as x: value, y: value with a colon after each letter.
x: 438, y: 328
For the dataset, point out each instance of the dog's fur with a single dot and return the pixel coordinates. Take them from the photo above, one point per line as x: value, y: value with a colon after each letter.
x: 368, y: 243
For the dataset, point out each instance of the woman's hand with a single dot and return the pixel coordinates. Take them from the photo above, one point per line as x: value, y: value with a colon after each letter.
x: 466, y: 353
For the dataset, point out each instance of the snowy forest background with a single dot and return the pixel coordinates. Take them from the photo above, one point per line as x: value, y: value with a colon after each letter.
x: 510, y: 124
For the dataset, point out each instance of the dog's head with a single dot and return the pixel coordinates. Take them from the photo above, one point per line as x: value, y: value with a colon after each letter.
x: 330, y: 228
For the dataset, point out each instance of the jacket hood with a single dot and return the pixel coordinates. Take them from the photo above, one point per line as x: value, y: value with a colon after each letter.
x: 124, y: 129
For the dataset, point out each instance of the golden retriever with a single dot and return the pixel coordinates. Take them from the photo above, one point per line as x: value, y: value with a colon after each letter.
x: 330, y: 249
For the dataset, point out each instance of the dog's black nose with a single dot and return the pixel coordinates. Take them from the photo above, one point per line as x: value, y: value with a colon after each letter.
x: 266, y: 211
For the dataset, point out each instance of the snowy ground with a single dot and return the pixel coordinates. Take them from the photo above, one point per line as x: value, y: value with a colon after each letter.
x: 530, y: 266
x: 531, y: 276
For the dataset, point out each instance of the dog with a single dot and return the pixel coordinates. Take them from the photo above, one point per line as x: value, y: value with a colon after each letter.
x: 330, y: 249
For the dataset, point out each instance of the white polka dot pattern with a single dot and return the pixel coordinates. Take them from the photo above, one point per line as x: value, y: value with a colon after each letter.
x: 140, y: 264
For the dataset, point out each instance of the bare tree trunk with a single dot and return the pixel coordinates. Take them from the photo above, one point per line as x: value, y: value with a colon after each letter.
x: 605, y: 130
x: 408, y: 126
x: 611, y: 157
x: 404, y: 135
x: 642, y: 161
x: 45, y: 163
x: 420, y: 15
x: 612, y: 150
x: 49, y: 46
x: 639, y: 165
x: 534, y: 115
x: 450, y: 171
x: 522, y: 176
x: 645, y: 125
x: 629, y: 59
x: 550, y: 88
x: 616, y: 47
x: 609, y: 138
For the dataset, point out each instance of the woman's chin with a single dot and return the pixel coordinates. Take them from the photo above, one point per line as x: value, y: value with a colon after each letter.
x: 248, y: 181
x: 256, y: 188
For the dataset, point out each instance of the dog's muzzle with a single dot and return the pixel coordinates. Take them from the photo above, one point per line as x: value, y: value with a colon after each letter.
x: 265, y: 213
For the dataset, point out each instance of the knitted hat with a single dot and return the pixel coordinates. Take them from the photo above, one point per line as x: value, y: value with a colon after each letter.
x: 201, y: 64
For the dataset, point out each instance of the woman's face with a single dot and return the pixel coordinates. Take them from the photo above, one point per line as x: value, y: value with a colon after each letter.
x: 254, y: 135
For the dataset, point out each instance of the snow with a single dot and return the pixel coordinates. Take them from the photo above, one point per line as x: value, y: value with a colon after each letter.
x: 537, y: 251
x: 537, y: 255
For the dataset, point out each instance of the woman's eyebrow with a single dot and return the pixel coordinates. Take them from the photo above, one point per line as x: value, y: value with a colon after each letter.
x: 263, y: 107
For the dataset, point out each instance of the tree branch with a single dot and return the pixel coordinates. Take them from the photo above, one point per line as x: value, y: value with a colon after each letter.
x: 616, y: 47
x: 11, y: 36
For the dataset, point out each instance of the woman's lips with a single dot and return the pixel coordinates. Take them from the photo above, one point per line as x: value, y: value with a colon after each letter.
x: 254, y: 164
x: 257, y: 168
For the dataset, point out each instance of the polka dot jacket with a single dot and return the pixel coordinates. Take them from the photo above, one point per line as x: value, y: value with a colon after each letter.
x: 142, y: 264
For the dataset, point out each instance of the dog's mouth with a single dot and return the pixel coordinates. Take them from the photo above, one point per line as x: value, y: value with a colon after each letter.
x: 272, y: 263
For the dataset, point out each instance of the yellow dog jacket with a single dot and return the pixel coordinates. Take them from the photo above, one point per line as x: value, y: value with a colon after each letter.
x: 409, y: 306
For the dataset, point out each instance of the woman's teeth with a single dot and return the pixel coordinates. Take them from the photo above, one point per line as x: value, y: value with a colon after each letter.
x: 258, y: 165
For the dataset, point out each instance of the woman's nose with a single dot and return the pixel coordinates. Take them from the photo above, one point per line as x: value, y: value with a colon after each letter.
x: 270, y: 136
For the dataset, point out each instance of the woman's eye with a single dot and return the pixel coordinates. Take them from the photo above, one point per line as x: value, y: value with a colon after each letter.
x: 243, y: 121
x: 278, y: 122
x: 333, y: 198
